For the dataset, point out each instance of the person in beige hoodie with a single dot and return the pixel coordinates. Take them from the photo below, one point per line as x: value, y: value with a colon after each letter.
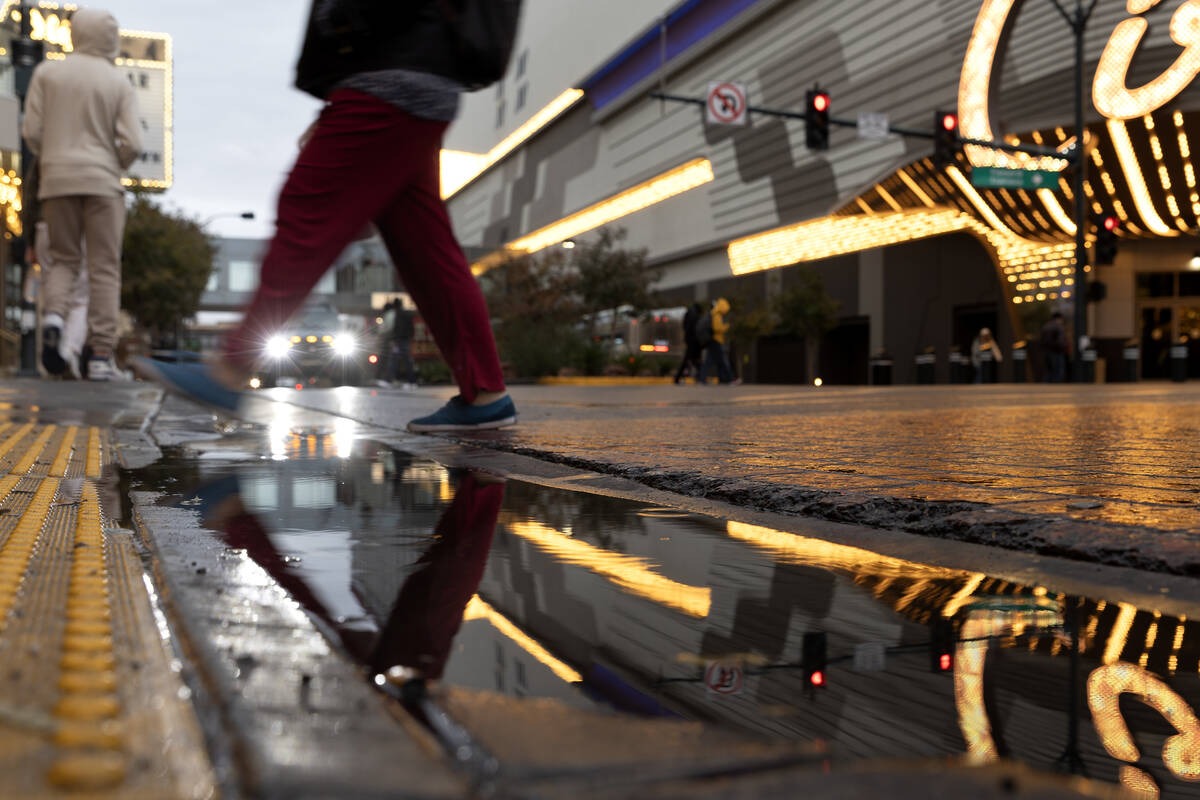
x: 81, y: 121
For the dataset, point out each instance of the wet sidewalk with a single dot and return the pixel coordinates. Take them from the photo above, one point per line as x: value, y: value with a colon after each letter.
x: 350, y: 611
x: 1105, y: 472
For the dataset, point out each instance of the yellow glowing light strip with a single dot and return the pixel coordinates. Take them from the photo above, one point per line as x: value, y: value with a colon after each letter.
x: 479, y: 609
x: 1134, y: 178
x: 806, y: 550
x: 458, y: 168
x: 539, y: 120
x: 683, y: 178
x: 629, y: 572
x: 887, y: 198
x: 1055, y: 209
x: 1119, y: 634
x: 962, y: 596
x: 916, y: 189
x: 976, y: 199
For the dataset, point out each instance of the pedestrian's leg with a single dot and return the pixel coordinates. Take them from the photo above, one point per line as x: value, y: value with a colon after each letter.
x: 406, y: 358
x: 724, y: 371
x: 706, y: 363
x: 353, y: 163
x: 104, y: 227
x: 64, y: 216
x: 418, y: 235
x: 75, y: 327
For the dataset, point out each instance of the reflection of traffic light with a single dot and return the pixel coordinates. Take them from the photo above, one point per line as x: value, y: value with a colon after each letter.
x: 1106, y: 238
x: 945, y: 137
x: 816, y: 119
x: 941, y: 646
x: 815, y: 659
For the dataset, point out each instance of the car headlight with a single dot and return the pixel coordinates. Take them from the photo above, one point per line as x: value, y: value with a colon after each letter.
x: 344, y: 344
x: 278, y: 346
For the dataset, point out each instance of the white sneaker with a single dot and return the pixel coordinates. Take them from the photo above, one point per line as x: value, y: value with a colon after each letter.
x: 103, y: 369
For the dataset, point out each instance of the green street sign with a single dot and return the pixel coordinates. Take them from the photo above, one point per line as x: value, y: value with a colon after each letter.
x: 997, y: 178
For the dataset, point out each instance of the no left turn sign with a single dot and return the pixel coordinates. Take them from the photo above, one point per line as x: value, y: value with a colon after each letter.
x: 726, y: 104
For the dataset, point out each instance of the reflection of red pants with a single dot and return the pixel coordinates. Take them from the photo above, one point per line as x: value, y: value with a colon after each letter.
x: 368, y: 161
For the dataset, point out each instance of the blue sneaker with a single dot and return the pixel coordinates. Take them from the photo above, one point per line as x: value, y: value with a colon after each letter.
x: 459, y: 416
x: 191, y: 381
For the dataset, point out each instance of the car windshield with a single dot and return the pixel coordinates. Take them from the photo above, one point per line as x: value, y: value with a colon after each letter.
x: 320, y: 318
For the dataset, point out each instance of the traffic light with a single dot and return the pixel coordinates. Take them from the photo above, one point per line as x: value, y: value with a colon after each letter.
x: 815, y: 659
x: 816, y: 119
x: 945, y: 137
x: 1106, y: 238
x: 941, y: 646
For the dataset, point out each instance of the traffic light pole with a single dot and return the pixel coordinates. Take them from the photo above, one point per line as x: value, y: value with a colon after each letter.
x: 1078, y: 24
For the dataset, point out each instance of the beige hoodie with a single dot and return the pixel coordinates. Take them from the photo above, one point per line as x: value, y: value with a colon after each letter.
x: 81, y: 118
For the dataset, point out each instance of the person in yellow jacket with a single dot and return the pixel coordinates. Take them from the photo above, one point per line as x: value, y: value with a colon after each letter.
x: 714, y: 350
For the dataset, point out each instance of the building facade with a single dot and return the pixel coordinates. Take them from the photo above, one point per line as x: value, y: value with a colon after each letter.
x: 918, y: 257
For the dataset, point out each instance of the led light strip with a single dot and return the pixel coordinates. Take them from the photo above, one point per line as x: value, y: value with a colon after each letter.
x: 539, y: 120
x: 916, y: 189
x: 685, y: 177
x: 1134, y: 178
x: 1056, y: 211
x: 1164, y: 176
x: 887, y: 198
x: 1189, y: 171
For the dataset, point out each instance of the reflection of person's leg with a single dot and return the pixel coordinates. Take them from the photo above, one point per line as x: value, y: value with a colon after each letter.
x: 342, y: 178
x: 429, y: 609
x: 418, y: 235
x: 104, y: 226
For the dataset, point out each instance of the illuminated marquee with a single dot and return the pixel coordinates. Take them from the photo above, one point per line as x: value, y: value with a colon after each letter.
x: 1110, y: 94
x: 145, y: 58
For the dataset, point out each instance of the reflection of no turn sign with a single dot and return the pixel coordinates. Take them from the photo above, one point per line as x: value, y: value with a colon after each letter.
x: 724, y: 677
x: 726, y: 104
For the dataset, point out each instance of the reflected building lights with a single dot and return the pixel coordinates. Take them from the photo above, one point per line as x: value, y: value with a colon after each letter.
x: 629, y: 572
x: 478, y: 609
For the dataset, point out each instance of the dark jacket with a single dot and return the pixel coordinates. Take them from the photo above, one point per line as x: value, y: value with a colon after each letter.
x: 1054, y: 337
x: 348, y: 37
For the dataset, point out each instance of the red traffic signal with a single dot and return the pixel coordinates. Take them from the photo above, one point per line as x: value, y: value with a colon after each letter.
x: 945, y: 137
x: 817, y: 678
x: 1110, y: 223
x: 816, y: 119
x: 820, y: 101
x: 949, y: 122
x: 946, y: 662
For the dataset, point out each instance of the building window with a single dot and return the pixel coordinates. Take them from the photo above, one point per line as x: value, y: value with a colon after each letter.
x: 521, y: 91
x: 500, y: 114
x: 521, y: 62
x: 1156, y: 284
x: 243, y: 276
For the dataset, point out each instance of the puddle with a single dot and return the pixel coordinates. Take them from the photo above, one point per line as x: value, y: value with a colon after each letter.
x: 605, y: 604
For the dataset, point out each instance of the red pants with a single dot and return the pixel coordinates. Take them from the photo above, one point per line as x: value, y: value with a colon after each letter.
x: 368, y: 161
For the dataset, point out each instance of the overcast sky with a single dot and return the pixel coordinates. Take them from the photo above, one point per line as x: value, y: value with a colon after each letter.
x: 237, y: 116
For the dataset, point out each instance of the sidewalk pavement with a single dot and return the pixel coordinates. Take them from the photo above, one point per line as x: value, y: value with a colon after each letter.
x: 1106, y: 472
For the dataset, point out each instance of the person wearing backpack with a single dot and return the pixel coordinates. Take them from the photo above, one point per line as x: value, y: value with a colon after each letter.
x: 390, y: 74
x: 691, y: 344
x: 715, y: 356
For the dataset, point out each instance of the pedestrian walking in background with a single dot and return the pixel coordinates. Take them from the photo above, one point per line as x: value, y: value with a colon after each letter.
x: 715, y: 355
x: 691, y: 345
x: 81, y: 122
x: 400, y: 360
x: 985, y: 356
x: 390, y: 75
x: 1053, y: 344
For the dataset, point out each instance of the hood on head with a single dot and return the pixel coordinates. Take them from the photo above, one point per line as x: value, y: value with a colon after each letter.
x: 722, y: 305
x: 95, y: 32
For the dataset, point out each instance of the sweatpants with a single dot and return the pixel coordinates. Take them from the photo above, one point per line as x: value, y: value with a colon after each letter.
x: 98, y: 221
x: 368, y: 161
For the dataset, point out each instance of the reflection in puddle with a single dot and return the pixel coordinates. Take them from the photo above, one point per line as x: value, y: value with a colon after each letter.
x: 602, y: 603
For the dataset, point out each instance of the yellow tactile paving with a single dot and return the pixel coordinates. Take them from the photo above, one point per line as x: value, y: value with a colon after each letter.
x: 59, y: 468
x: 15, y: 438
x: 90, y: 706
x: 92, y: 466
x: 30, y: 457
x: 14, y: 556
